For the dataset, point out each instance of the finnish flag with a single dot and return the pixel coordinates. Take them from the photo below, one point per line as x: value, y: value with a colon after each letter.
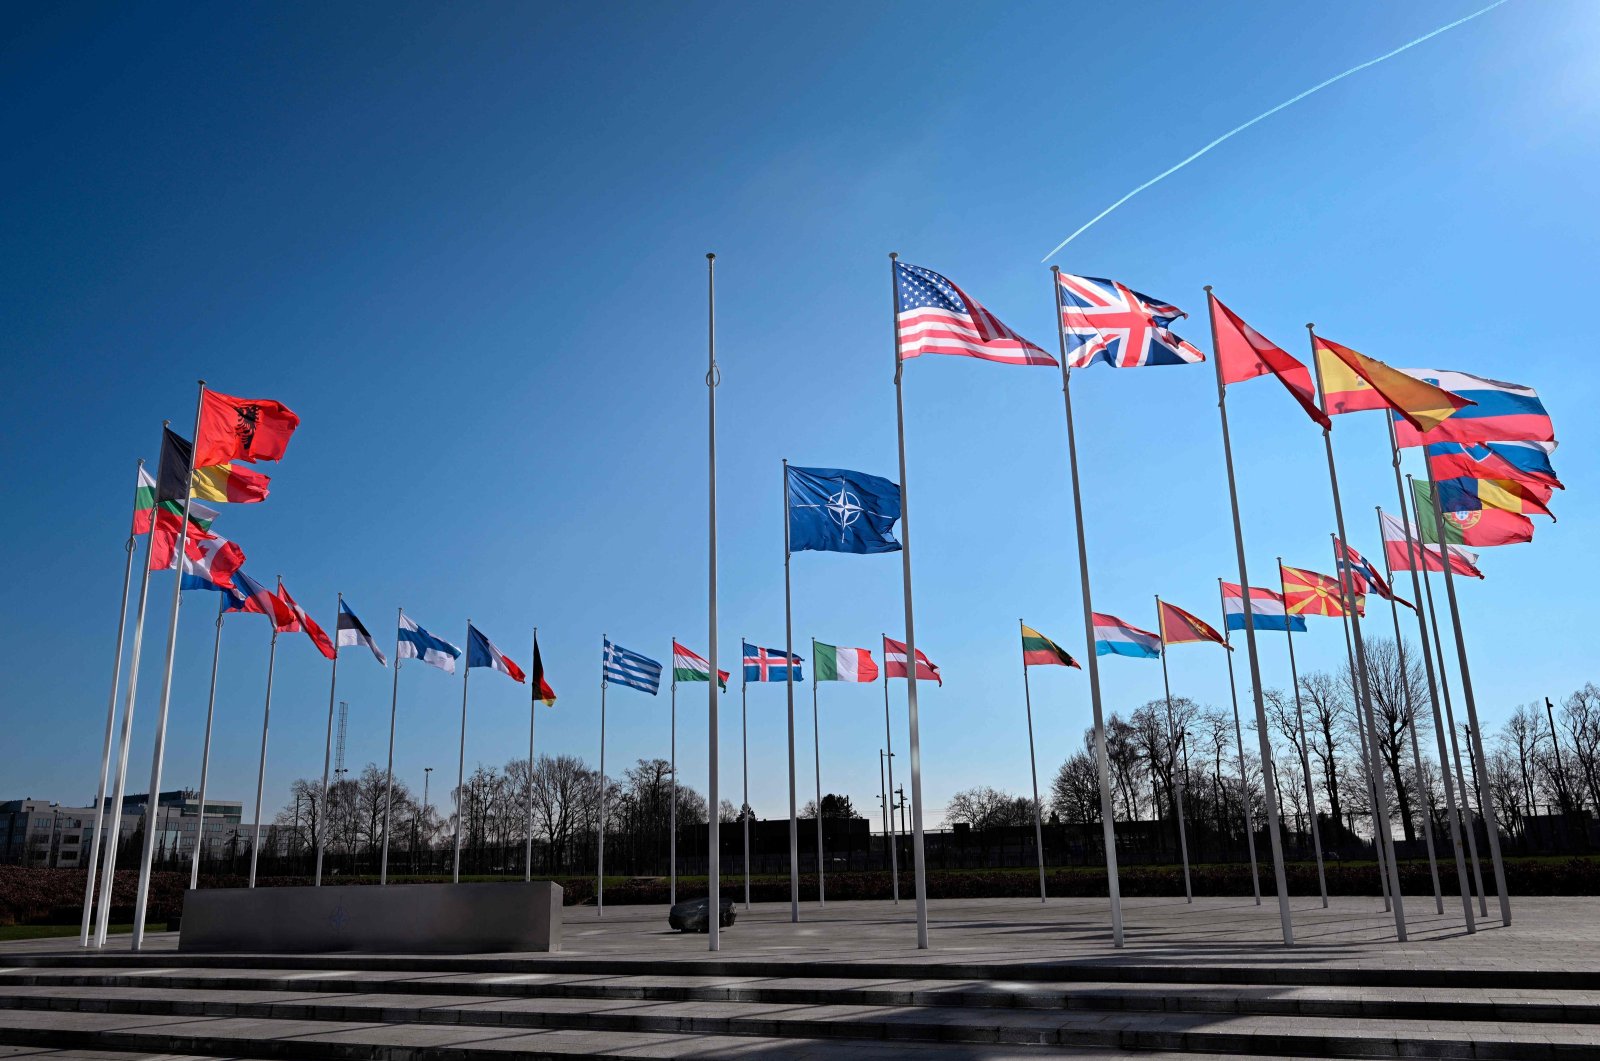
x: 417, y: 643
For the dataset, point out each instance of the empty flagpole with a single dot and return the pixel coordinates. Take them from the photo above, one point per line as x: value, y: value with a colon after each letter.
x: 141, y: 899
x: 1347, y: 607
x: 1485, y: 795
x: 672, y: 807
x: 788, y: 649
x: 1172, y: 757
x: 388, y: 783
x: 533, y: 711
x: 744, y: 738
x: 205, y: 753
x: 461, y: 760
x: 893, y: 835
x: 327, y: 744
x: 1238, y: 738
x: 111, y: 715
x: 1033, y: 766
x: 600, y: 868
x: 918, y: 859
x: 816, y: 748
x: 1305, y: 748
x: 1107, y: 807
x: 266, y: 721
x: 714, y: 804
x: 1269, y: 783
x: 883, y: 805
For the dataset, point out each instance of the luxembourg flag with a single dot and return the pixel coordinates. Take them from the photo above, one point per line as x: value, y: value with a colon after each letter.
x: 1502, y: 412
x: 482, y: 653
x: 1113, y: 637
x: 1266, y: 609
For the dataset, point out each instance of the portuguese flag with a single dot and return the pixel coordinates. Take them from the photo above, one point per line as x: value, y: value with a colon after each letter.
x: 835, y: 664
x: 1038, y: 650
x: 688, y: 667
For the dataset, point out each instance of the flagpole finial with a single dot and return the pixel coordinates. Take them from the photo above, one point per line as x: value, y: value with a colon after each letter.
x: 894, y: 256
x: 201, y: 382
x: 1056, y: 269
x: 710, y: 257
x: 1312, y: 328
x: 1207, y: 289
x: 166, y: 423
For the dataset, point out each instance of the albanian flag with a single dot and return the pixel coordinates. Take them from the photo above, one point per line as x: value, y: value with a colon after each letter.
x: 243, y: 429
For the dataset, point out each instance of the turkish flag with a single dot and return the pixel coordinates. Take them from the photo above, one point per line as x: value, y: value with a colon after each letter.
x: 242, y: 429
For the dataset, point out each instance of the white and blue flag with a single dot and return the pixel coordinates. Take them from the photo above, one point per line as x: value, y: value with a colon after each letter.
x: 417, y: 643
x: 351, y: 632
x: 625, y: 667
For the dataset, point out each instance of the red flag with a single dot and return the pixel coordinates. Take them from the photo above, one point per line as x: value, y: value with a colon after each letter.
x: 1244, y: 353
x: 247, y: 429
x: 894, y: 662
x: 1179, y: 627
x: 302, y: 621
x: 163, y: 524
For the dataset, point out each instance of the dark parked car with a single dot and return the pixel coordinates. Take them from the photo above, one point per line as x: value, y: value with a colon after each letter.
x: 691, y: 915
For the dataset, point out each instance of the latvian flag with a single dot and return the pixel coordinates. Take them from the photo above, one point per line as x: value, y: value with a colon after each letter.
x: 482, y: 653
x: 351, y: 633
x: 1113, y: 637
x: 894, y: 662
x: 835, y: 664
x: 689, y: 667
x: 1266, y: 608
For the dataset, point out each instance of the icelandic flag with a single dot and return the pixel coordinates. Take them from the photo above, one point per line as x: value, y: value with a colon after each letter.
x: 626, y: 667
x: 210, y: 563
x: 770, y: 664
x: 1113, y: 637
x: 1266, y: 609
x: 482, y: 653
x: 417, y: 643
x: 352, y: 633
x: 840, y: 511
x: 1501, y: 411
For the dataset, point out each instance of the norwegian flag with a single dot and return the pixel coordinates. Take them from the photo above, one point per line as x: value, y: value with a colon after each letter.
x: 1364, y: 576
x: 934, y: 316
x: 1103, y: 320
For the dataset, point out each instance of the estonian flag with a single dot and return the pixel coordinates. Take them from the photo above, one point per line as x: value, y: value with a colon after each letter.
x: 351, y: 633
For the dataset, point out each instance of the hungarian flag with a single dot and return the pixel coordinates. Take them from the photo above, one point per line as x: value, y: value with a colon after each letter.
x: 1244, y: 353
x: 1179, y: 627
x: 688, y: 667
x: 482, y: 653
x: 1463, y: 525
x: 1311, y: 593
x: 894, y: 662
x: 542, y: 693
x: 317, y: 634
x: 1352, y: 382
x: 835, y: 664
x: 1406, y: 554
x: 245, y: 429
x: 1040, y: 651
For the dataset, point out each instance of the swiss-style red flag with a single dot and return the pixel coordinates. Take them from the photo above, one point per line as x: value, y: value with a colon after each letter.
x: 242, y: 429
x: 1244, y: 353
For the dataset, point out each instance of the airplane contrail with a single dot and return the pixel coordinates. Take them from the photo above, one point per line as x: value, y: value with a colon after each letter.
x: 1267, y: 114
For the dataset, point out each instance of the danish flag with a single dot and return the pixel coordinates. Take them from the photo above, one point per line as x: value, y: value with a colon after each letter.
x: 1103, y: 320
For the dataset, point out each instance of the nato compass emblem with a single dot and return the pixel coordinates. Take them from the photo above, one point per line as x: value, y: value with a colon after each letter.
x: 845, y: 508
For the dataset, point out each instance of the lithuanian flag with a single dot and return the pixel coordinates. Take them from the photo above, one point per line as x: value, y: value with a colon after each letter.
x: 1038, y: 650
x: 1353, y: 382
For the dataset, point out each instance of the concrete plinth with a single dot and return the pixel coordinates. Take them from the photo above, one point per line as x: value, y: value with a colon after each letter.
x: 392, y: 919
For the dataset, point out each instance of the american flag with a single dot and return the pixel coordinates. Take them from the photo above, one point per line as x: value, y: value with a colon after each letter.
x: 937, y: 317
x: 1103, y: 320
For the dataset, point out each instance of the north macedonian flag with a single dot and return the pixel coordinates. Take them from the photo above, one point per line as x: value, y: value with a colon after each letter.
x: 1038, y: 651
x: 1310, y: 593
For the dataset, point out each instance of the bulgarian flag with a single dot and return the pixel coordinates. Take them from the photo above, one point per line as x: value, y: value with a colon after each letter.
x: 688, y: 667
x: 145, y: 506
x: 835, y: 664
x: 1038, y: 651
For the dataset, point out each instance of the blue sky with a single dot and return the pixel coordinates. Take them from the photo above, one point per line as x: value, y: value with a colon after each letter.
x: 466, y: 246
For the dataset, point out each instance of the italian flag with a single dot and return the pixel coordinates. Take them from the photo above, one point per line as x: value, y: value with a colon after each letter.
x: 688, y: 667
x: 835, y: 664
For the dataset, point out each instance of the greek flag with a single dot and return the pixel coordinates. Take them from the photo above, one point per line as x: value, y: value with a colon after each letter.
x: 624, y: 667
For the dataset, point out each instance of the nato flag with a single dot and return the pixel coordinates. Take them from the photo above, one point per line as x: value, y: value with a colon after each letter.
x: 833, y: 510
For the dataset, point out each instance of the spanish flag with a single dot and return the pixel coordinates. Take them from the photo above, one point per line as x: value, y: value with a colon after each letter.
x: 1353, y: 382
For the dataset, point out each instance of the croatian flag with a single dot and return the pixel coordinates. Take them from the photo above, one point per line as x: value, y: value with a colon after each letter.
x: 1113, y: 637
x: 417, y: 643
x: 1266, y: 609
x: 1503, y: 411
x: 482, y: 653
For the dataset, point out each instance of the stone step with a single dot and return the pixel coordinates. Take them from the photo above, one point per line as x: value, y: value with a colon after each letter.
x: 1436, y: 1004
x: 440, y: 1018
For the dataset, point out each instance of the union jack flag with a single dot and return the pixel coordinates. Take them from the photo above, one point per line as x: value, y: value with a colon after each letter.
x: 1107, y: 321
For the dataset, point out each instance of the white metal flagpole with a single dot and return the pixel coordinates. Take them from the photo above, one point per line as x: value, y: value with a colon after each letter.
x: 1305, y: 748
x: 816, y: 747
x: 141, y: 899
x: 461, y: 761
x: 788, y: 648
x: 327, y: 745
x: 205, y: 753
x: 672, y: 808
x: 533, y: 711
x: 1361, y: 737
x: 388, y: 783
x: 1172, y: 758
x: 1238, y: 739
x: 744, y: 736
x: 261, y: 767
x: 1092, y: 661
x: 891, y: 835
x: 600, y: 867
x: 1033, y: 766
x: 713, y: 788
x: 111, y: 721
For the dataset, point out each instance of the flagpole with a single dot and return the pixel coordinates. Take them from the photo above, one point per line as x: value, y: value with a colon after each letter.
x: 714, y: 798
x: 327, y: 744
x: 1485, y: 793
x: 1033, y: 768
x: 1107, y: 807
x: 141, y: 900
x: 600, y: 868
x: 1305, y: 748
x: 788, y: 649
x: 1269, y: 783
x: 533, y: 712
x: 1346, y: 606
x: 111, y: 716
x: 1172, y: 753
x: 816, y: 748
x: 461, y: 760
x: 888, y: 742
x: 1469, y: 825
x: 205, y: 754
x: 261, y: 766
x: 744, y: 738
x: 388, y: 784
x: 1347, y: 584
x: 1238, y: 739
x: 672, y: 809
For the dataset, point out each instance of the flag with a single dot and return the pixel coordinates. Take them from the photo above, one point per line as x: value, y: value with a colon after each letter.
x: 317, y: 634
x: 770, y: 665
x: 1352, y: 382
x: 210, y: 564
x: 1364, y: 576
x: 1412, y: 555
x: 1311, y: 593
x: 688, y: 667
x: 246, y: 429
x: 1527, y: 463
x: 1477, y: 527
x: 1179, y: 627
x: 417, y: 643
x: 176, y: 453
x: 1040, y: 651
x: 1104, y: 321
x: 230, y: 483
x: 350, y: 632
x: 1470, y: 494
x: 1500, y: 412
x: 162, y: 523
x: 248, y: 595
x: 937, y: 317
x: 894, y: 662
x: 1113, y: 637
x: 834, y: 510
x: 625, y: 667
x: 145, y: 507
x: 836, y: 664
x: 542, y: 693
x: 1267, y: 610
x: 1244, y: 353
x: 481, y: 652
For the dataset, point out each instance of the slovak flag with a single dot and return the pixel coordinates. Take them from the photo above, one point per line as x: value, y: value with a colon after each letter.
x: 482, y: 653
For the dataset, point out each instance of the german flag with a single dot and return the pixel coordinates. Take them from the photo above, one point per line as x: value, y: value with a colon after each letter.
x: 1038, y: 650
x: 542, y: 693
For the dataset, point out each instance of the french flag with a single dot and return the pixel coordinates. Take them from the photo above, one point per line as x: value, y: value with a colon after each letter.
x: 482, y: 653
x: 1503, y: 411
x: 1113, y: 637
x: 1266, y: 609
